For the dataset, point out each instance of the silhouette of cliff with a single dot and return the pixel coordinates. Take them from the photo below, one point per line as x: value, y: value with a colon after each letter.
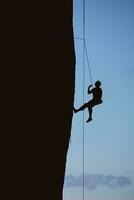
x: 40, y: 91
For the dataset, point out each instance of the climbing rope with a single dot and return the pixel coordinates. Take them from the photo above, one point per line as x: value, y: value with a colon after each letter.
x: 84, y: 31
x: 88, y: 63
x: 83, y: 98
x: 87, y: 58
x: 85, y: 54
x: 83, y: 161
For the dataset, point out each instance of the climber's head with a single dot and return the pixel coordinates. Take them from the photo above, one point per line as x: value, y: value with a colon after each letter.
x: 97, y: 83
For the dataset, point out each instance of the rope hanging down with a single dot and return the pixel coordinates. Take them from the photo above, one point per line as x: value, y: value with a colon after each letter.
x: 87, y: 57
x: 85, y: 53
x: 83, y: 98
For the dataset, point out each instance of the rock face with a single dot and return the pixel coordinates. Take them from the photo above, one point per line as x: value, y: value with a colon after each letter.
x: 40, y: 89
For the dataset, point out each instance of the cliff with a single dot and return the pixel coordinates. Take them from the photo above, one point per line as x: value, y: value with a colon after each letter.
x: 40, y: 91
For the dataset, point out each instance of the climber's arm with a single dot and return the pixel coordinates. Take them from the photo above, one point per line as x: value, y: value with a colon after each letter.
x: 89, y: 91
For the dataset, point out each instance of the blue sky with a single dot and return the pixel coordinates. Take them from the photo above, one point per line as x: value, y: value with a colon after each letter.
x: 109, y: 138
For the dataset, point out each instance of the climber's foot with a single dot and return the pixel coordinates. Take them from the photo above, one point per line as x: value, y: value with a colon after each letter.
x: 90, y: 119
x: 75, y: 110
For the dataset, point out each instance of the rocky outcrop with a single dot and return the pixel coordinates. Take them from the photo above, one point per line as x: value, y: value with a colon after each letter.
x: 40, y: 92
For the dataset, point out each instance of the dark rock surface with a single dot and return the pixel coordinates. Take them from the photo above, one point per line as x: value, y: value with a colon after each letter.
x: 39, y: 104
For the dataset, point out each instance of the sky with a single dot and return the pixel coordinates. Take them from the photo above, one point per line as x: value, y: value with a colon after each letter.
x: 109, y: 137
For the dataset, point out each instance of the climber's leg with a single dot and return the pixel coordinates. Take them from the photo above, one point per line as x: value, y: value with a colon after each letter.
x: 90, y: 114
x: 81, y: 108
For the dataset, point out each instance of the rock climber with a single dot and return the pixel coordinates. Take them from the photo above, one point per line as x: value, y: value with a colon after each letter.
x: 97, y: 99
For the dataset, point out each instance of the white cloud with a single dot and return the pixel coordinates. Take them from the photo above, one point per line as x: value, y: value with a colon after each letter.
x: 93, y: 181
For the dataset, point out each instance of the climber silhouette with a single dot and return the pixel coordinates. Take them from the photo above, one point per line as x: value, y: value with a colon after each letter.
x: 97, y: 95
